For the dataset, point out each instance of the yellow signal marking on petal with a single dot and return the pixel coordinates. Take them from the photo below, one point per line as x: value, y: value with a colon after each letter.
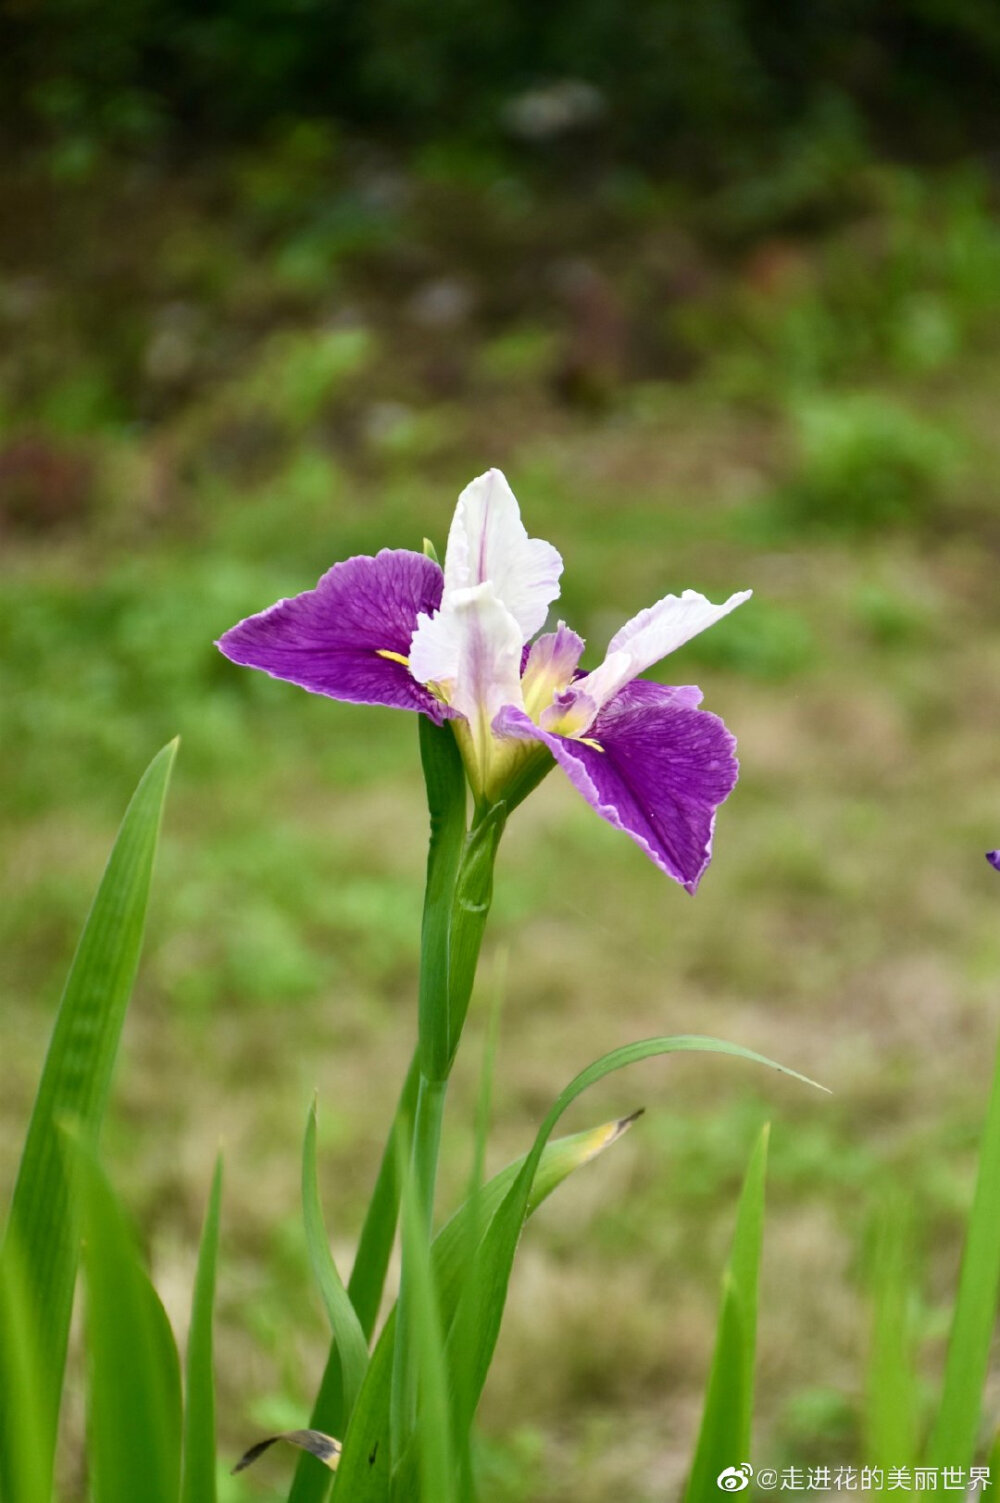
x: 394, y: 657
x: 589, y: 741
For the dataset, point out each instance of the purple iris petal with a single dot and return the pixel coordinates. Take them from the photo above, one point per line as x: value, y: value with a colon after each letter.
x: 664, y: 768
x: 993, y: 857
x: 329, y: 640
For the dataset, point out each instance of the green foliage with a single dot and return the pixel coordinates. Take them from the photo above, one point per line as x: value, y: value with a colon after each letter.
x: 891, y: 1404
x: 27, y: 1467
x: 444, y: 779
x: 135, y: 1378
x: 716, y: 84
x: 441, y: 1474
x: 865, y: 462
x: 365, y: 1285
x: 905, y: 286
x: 956, y: 1427
x: 297, y: 374
x: 348, y: 1335
x: 198, y: 1448
x: 364, y: 1469
x: 727, y: 1418
x: 75, y: 1084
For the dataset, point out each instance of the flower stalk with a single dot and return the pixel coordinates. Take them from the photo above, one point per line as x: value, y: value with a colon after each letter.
x: 458, y: 894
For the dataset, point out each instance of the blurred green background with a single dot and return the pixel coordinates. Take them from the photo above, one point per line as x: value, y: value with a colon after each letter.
x: 719, y: 288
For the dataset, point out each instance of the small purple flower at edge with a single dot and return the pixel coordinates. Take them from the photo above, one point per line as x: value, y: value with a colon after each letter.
x: 993, y: 857
x: 395, y: 629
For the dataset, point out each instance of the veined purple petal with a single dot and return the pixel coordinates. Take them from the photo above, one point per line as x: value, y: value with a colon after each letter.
x: 662, y: 771
x: 993, y: 857
x: 330, y: 640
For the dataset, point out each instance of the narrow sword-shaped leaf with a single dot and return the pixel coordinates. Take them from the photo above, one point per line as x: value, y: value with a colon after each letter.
x: 344, y: 1323
x: 26, y: 1475
x: 75, y: 1083
x: 135, y: 1377
x: 434, y: 1461
x: 366, y: 1450
x: 488, y: 1289
x: 727, y: 1417
x: 953, y: 1437
x: 892, y: 1403
x: 311, y: 1484
x: 461, y: 1343
x: 198, y: 1449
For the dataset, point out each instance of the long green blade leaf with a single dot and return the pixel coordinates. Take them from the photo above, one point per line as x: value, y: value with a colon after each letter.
x: 26, y: 1470
x: 434, y: 1460
x: 744, y: 1265
x: 953, y: 1437
x: 344, y: 1323
x: 892, y: 1398
x: 365, y: 1463
x: 198, y: 1471
x: 724, y: 1437
x: 75, y: 1083
x: 135, y: 1378
x: 312, y: 1483
x: 488, y: 1290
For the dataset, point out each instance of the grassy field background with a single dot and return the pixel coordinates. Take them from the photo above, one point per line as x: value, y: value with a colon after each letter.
x: 213, y: 385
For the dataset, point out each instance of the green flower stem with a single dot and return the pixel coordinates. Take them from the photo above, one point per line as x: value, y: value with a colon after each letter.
x: 423, y: 1171
x: 457, y: 901
x: 444, y: 776
x: 426, y: 1145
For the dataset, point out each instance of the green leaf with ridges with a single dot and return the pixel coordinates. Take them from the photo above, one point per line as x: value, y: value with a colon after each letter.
x: 26, y: 1472
x: 312, y: 1483
x: 134, y: 1370
x: 488, y: 1289
x: 727, y: 1417
x: 344, y: 1323
x: 75, y: 1083
x: 364, y: 1469
x: 953, y: 1438
x: 434, y: 1460
x: 893, y: 1404
x: 198, y: 1450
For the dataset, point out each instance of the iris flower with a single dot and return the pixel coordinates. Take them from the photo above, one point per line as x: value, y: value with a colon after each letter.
x: 993, y: 857
x: 456, y: 644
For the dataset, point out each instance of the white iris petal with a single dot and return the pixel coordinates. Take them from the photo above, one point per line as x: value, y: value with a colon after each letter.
x: 488, y: 541
x: 651, y: 635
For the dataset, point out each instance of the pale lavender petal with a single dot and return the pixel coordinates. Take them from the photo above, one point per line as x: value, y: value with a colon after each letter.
x: 993, y: 857
x: 488, y: 542
x: 663, y: 769
x: 329, y: 640
x: 651, y: 636
x: 550, y: 667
